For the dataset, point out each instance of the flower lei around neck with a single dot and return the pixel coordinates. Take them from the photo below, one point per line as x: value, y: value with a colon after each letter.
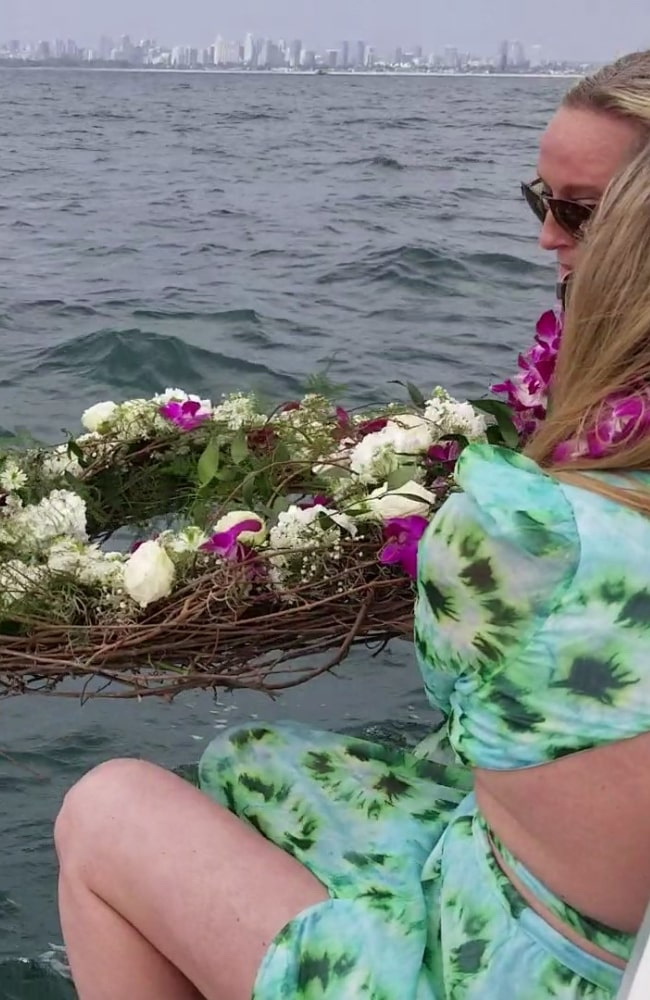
x: 623, y: 418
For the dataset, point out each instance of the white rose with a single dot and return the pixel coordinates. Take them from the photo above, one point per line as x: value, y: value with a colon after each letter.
x: 149, y: 574
x: 95, y: 417
x: 410, y: 434
x: 410, y: 499
x: 235, y: 517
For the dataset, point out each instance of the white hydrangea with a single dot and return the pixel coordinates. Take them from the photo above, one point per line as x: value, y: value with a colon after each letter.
x: 449, y: 416
x: 12, y: 477
x: 179, y: 395
x: 62, y: 513
x: 88, y: 563
x: 374, y: 458
x: 59, y: 462
x: 238, y: 410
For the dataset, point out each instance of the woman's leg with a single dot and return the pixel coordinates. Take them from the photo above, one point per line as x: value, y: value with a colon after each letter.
x: 164, y: 893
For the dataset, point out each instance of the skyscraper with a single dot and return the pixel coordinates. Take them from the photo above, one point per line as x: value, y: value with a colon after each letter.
x: 360, y: 55
x: 345, y: 55
x: 250, y: 51
x: 295, y: 49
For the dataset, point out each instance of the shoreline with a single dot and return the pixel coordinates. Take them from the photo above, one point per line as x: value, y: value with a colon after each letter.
x: 197, y: 71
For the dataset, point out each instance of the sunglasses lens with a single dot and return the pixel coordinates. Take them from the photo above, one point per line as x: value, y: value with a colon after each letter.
x: 534, y: 201
x: 572, y: 216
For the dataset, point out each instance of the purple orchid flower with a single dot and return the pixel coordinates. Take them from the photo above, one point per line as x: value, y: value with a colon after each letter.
x: 227, y: 545
x: 623, y: 419
x: 188, y: 415
x: 527, y: 393
x: 402, y: 536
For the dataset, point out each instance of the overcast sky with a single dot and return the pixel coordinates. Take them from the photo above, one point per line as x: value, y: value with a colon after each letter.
x: 581, y: 29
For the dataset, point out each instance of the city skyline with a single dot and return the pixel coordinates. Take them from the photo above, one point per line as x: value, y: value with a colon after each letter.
x: 578, y: 31
x: 257, y: 52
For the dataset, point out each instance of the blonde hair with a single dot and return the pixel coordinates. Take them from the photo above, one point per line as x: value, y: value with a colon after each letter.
x: 622, y: 88
x: 605, y: 348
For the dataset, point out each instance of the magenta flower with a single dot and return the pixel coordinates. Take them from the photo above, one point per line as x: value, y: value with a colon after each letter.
x: 227, y: 545
x: 446, y: 454
x: 622, y: 420
x: 402, y: 536
x: 372, y: 426
x: 188, y: 415
x: 528, y: 390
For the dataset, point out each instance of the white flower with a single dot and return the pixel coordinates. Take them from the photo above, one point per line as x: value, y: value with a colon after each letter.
x: 411, y: 434
x: 171, y: 394
x: 149, y: 574
x: 236, y: 517
x: 412, y: 498
x: 190, y: 539
x: 12, y: 477
x: 238, y: 410
x: 374, y: 458
x: 65, y: 556
x: 60, y: 513
x: 451, y: 417
x: 59, y: 462
x: 88, y: 563
x: 97, y: 418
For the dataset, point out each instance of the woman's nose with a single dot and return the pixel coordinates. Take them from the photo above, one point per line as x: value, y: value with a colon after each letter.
x: 553, y: 236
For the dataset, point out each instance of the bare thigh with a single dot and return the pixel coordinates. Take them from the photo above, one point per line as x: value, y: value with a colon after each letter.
x: 202, y: 886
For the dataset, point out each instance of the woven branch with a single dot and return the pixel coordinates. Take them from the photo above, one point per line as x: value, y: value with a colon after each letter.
x: 218, y: 632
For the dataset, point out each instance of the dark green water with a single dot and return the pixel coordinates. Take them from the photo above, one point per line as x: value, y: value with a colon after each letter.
x: 236, y: 232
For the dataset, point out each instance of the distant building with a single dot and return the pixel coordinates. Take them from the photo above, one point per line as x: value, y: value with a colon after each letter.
x: 517, y: 56
x: 502, y: 56
x: 360, y: 55
x: 332, y: 58
x: 345, y: 55
x: 251, y: 50
x: 536, y: 56
x: 295, y: 50
x: 451, y: 59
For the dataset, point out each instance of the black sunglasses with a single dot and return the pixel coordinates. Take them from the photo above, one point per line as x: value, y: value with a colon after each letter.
x: 572, y: 216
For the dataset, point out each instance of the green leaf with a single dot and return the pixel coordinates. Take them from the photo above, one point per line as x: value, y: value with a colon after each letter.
x: 74, y: 451
x: 415, y: 394
x: 208, y: 465
x: 503, y: 416
x: 401, y: 476
x: 239, y: 450
x: 248, y: 491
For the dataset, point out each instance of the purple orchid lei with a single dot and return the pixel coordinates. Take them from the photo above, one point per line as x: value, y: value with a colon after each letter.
x: 623, y: 418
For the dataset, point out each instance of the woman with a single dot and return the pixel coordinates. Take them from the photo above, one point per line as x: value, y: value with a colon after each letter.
x: 379, y: 875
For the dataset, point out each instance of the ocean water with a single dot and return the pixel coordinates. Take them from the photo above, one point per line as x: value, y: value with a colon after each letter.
x: 221, y: 232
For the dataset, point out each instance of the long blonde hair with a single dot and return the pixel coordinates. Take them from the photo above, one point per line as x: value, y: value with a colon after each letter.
x: 621, y: 88
x: 605, y: 348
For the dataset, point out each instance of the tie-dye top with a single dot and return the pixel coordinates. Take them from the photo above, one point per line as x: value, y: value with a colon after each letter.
x: 532, y: 622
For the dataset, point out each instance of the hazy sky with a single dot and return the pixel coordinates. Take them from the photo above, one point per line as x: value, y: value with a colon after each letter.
x: 583, y: 29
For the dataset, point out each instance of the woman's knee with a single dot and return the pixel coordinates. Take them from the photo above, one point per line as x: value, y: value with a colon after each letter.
x: 95, y: 800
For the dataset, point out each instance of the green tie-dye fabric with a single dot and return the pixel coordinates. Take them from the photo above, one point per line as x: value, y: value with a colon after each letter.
x: 531, y: 622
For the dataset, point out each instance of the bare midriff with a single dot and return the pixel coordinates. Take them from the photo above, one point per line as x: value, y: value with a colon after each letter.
x: 581, y: 825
